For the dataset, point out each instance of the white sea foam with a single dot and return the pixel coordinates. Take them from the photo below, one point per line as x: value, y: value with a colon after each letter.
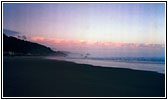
x: 148, y: 64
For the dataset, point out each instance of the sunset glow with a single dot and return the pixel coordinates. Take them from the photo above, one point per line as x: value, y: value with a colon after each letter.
x: 83, y: 43
x: 81, y: 46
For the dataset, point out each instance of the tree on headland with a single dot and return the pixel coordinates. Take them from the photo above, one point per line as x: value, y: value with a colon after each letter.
x: 14, y: 46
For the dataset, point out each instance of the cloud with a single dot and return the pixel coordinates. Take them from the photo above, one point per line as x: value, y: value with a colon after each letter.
x: 10, y: 32
x: 82, y: 44
x: 103, y: 49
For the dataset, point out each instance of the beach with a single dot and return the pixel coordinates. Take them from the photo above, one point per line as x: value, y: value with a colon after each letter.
x: 39, y: 77
x: 148, y: 64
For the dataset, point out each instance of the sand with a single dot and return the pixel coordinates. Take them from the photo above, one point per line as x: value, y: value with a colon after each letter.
x: 38, y: 77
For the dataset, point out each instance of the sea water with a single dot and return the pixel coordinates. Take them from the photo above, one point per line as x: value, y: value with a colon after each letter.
x: 156, y: 64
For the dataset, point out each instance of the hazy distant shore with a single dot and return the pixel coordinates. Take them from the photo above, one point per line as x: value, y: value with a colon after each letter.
x: 38, y: 77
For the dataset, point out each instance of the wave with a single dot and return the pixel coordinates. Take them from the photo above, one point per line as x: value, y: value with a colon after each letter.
x: 138, y: 63
x: 133, y: 59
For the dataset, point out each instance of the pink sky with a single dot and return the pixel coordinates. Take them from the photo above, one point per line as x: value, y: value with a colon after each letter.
x: 98, y: 48
x: 89, y: 44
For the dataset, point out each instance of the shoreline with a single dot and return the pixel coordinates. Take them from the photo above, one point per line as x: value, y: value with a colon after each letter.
x: 154, y: 67
x: 38, y: 77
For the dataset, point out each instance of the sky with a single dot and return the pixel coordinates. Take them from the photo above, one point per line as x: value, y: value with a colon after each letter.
x: 98, y: 27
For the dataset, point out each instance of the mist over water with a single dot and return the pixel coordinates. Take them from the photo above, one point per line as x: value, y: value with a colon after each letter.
x: 149, y: 60
x: 156, y: 64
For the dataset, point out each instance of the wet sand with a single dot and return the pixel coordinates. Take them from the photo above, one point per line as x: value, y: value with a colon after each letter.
x: 38, y: 77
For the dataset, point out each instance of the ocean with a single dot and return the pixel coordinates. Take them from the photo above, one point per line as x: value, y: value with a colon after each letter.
x: 156, y: 64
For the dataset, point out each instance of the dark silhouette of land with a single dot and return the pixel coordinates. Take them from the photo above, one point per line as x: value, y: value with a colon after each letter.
x: 14, y: 46
x: 38, y: 77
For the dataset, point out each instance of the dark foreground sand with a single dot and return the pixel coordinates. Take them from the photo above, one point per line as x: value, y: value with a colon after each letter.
x: 37, y: 77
